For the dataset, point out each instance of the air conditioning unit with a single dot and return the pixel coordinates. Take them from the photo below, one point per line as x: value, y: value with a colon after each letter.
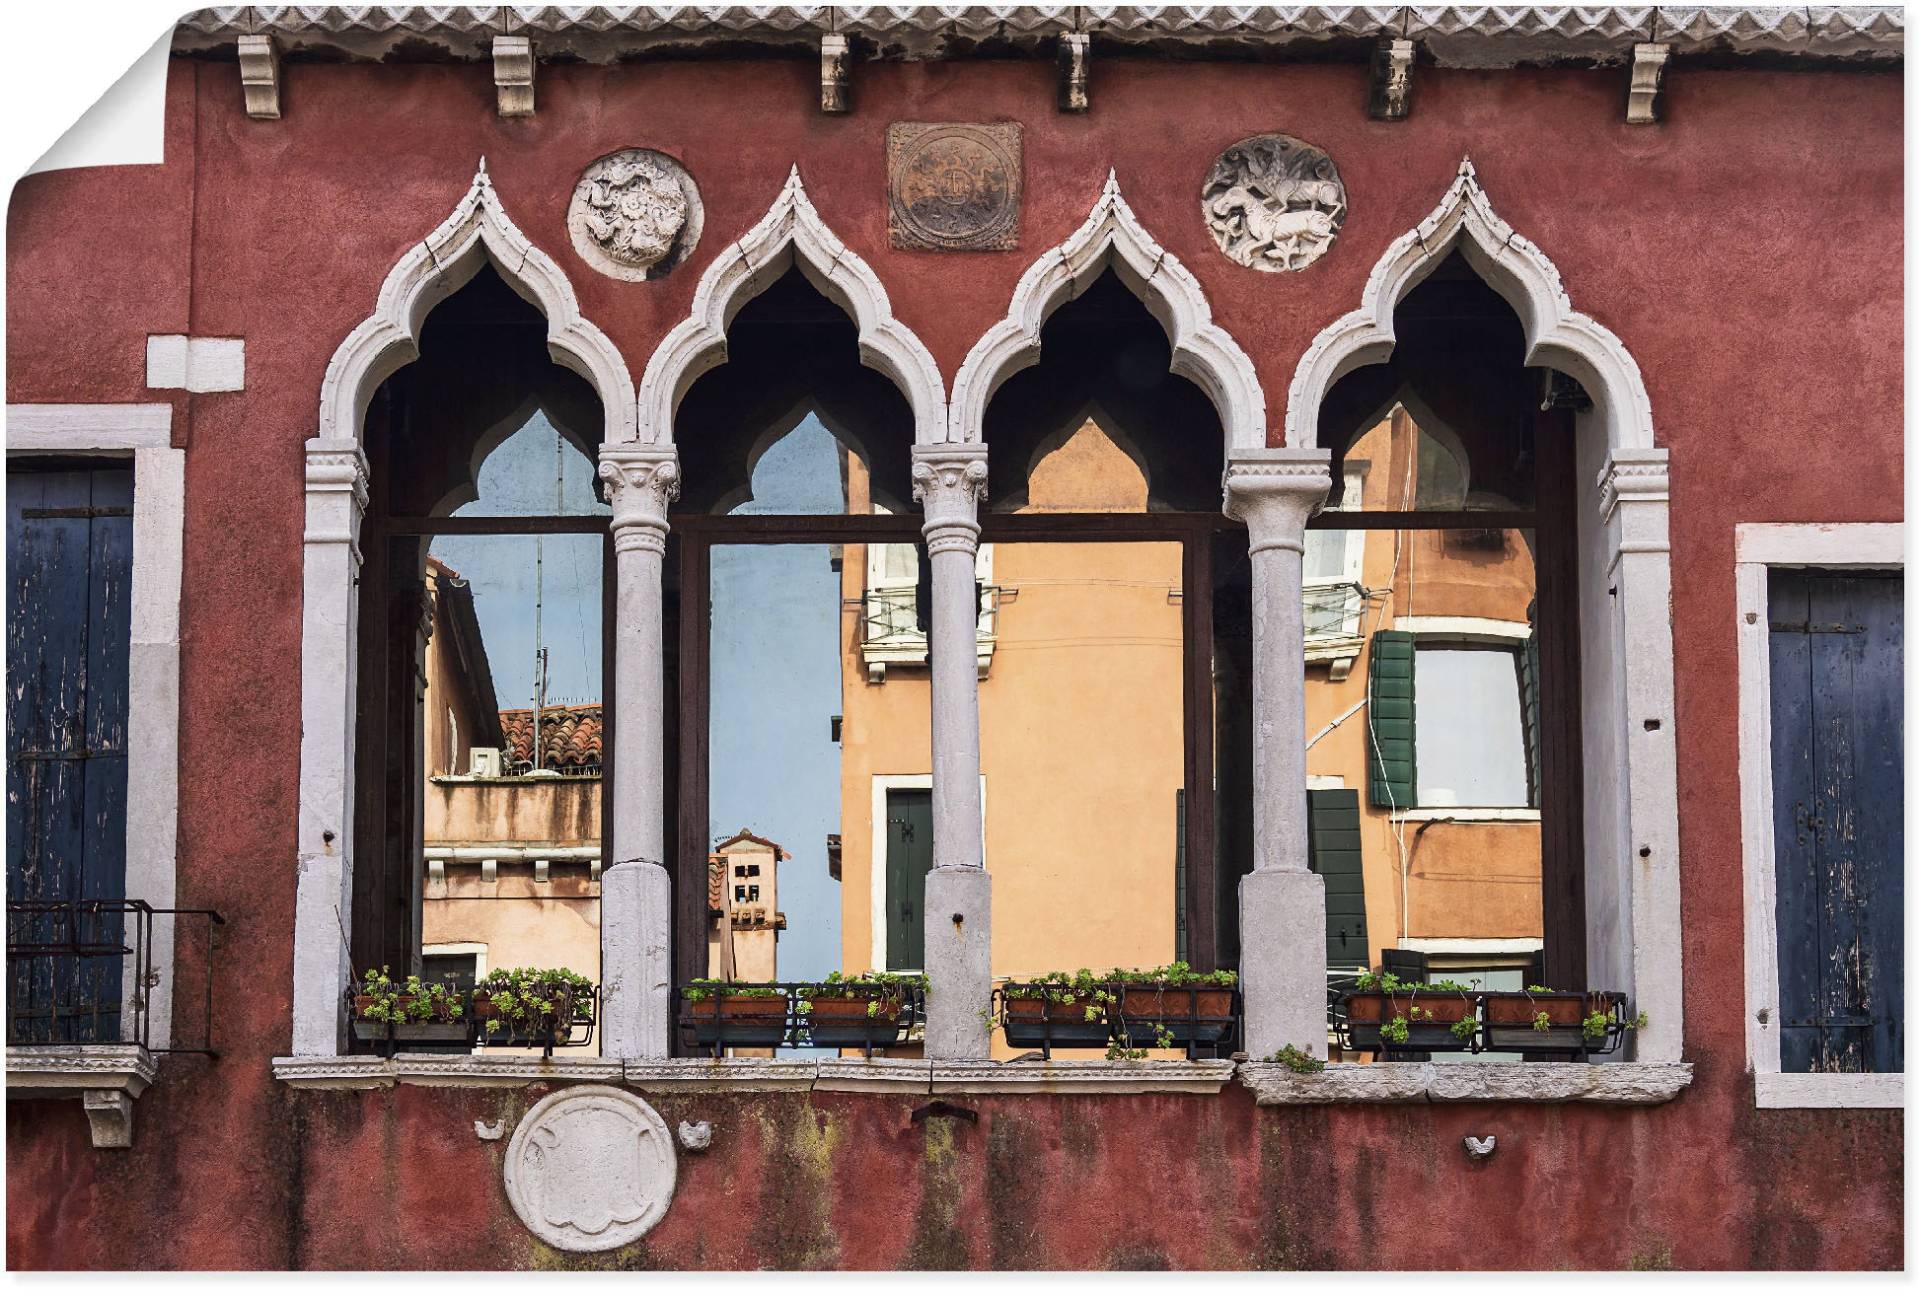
x: 484, y: 761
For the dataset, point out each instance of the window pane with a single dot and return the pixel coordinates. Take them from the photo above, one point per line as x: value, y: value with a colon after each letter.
x: 1470, y: 748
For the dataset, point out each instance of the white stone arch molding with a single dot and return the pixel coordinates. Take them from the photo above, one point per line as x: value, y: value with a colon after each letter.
x: 1113, y: 237
x: 791, y: 233
x: 477, y: 231
x: 1557, y: 335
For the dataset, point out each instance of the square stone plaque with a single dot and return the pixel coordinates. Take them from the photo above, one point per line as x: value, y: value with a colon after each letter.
x: 953, y: 186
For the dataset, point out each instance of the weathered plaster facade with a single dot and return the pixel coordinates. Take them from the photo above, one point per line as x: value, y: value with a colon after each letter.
x: 1672, y: 245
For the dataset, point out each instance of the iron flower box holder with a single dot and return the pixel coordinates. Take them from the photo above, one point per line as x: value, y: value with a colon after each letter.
x: 864, y: 1011
x: 412, y: 1011
x: 738, y: 1015
x: 1541, y: 1020
x: 1177, y: 1006
x: 1057, y: 1010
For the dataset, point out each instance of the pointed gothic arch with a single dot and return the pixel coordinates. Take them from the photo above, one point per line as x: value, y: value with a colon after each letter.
x: 478, y: 230
x: 1112, y: 237
x: 1557, y: 335
x: 790, y: 234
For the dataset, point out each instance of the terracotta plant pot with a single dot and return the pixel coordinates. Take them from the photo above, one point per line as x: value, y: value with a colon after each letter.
x: 1510, y: 1021
x: 405, y: 1030
x: 522, y: 1033
x: 737, y: 1020
x: 846, y: 1021
x: 1042, y: 1022
x: 1186, y: 1014
x: 1430, y: 1019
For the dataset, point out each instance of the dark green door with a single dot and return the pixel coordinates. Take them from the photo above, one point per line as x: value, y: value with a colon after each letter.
x: 909, y: 855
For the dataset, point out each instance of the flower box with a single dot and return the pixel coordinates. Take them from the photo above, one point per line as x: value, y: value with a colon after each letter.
x: 1430, y: 1019
x: 739, y: 1019
x: 1186, y: 1014
x: 862, y: 1020
x: 1041, y: 1021
x: 1513, y: 1021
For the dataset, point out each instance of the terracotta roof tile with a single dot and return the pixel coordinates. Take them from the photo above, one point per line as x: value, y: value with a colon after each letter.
x: 569, y: 735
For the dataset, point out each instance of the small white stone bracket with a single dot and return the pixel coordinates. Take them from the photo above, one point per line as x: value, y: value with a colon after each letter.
x: 513, y: 64
x: 1625, y: 1083
x: 696, y: 1137
x: 836, y: 74
x: 1390, y: 90
x: 106, y: 1078
x: 1479, y: 1149
x: 260, y: 76
x: 490, y: 1131
x: 1076, y: 51
x: 176, y: 362
x: 1645, y: 81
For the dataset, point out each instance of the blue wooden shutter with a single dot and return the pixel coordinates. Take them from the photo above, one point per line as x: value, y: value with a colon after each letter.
x: 1390, y: 761
x: 1835, y: 651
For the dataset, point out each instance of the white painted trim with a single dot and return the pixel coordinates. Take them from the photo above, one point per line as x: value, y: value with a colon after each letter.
x: 1112, y: 237
x: 1465, y: 814
x: 1452, y: 947
x: 1758, y: 547
x: 877, y: 836
x: 1465, y: 629
x: 477, y: 951
x: 477, y: 231
x: 153, y: 657
x: 87, y: 428
x: 177, y: 362
x: 1557, y: 335
x: 790, y: 234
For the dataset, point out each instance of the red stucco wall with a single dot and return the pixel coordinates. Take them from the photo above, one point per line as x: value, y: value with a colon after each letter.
x: 1747, y: 251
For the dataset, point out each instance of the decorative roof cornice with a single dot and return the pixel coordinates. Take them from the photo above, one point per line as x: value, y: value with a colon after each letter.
x: 1454, y: 35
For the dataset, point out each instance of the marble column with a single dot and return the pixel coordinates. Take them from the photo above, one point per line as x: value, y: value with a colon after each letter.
x: 323, y: 897
x: 1283, y: 905
x: 949, y: 481
x: 636, y: 890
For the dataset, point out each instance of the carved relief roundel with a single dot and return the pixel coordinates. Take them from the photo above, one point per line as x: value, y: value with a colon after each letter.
x: 1274, y: 203
x: 590, y: 1168
x: 954, y: 186
x: 635, y: 214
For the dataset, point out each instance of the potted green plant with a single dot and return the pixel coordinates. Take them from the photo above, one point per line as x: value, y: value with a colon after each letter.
x: 724, y: 1014
x: 411, y: 1010
x: 1540, y: 1019
x: 859, y: 1010
x: 527, y: 1007
x: 1176, y: 1004
x: 1386, y: 1012
x: 1057, y: 1010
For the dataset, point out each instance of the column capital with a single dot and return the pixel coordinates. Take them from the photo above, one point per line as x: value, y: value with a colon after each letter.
x: 336, y: 492
x: 1275, y: 491
x: 949, y: 481
x: 1632, y: 476
x: 641, y: 481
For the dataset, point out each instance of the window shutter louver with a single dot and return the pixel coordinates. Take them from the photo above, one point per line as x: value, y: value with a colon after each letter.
x: 1529, y: 664
x: 1333, y: 850
x: 1390, y: 762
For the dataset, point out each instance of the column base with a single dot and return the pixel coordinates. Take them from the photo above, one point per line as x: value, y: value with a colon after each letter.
x: 636, y: 1007
x: 1283, y: 962
x: 959, y: 970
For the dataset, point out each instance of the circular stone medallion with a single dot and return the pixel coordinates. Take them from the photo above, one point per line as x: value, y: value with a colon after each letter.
x: 1274, y: 203
x: 635, y: 214
x: 590, y: 1168
x: 954, y: 187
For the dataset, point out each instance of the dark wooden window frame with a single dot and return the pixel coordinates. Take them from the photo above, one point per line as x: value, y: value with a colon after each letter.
x: 692, y: 539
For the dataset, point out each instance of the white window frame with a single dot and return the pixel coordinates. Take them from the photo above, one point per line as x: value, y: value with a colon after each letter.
x: 1343, y: 646
x: 909, y: 647
x: 144, y: 434
x: 877, y: 833
x: 1439, y: 631
x: 1760, y: 548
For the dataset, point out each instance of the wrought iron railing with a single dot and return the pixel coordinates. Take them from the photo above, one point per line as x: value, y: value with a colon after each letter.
x: 800, y: 1014
x: 82, y: 971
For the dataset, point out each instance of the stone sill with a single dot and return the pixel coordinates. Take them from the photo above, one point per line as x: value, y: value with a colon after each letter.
x: 1271, y: 1084
x: 106, y: 1077
x: 695, y: 1074
x: 1650, y: 1083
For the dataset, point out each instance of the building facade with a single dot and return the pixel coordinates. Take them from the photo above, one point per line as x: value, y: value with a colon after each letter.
x: 1587, y: 323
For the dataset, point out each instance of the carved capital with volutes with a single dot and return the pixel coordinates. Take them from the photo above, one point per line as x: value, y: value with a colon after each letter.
x: 641, y: 482
x: 1275, y: 492
x: 949, y: 481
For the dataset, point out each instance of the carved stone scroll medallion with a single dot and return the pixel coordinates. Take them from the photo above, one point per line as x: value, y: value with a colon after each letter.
x: 1274, y: 203
x: 953, y: 187
x: 635, y: 214
x: 590, y: 1168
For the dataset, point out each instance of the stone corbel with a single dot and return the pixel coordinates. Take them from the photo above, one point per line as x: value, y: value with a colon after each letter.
x: 513, y: 75
x: 836, y: 74
x: 106, y: 1077
x: 260, y: 76
x: 1075, y: 49
x: 1390, y: 95
x: 1645, y: 83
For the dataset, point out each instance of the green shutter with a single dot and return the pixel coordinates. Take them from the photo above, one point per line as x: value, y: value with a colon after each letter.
x: 1390, y: 766
x: 1530, y: 712
x: 1333, y: 850
x: 1180, y: 874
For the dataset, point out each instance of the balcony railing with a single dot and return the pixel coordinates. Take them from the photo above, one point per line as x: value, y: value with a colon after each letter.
x: 81, y: 971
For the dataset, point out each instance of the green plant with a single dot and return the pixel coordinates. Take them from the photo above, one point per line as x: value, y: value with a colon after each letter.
x: 413, y: 1001
x: 1173, y: 975
x: 1542, y: 1021
x: 533, y: 1001
x: 875, y: 986
x: 1394, y: 1030
x: 1296, y: 1060
x: 1063, y: 989
x: 701, y: 990
x: 1464, y: 1028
